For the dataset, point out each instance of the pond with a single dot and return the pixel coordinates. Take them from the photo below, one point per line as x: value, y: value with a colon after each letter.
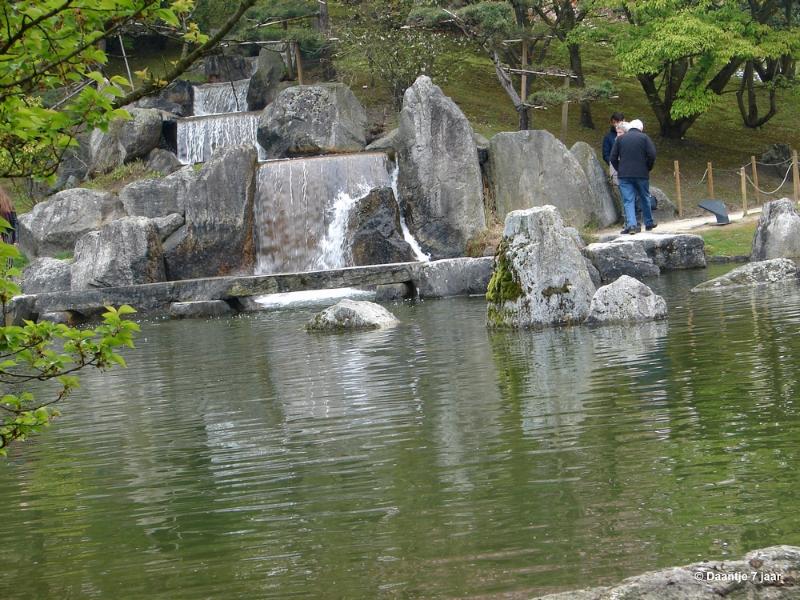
x: 244, y: 458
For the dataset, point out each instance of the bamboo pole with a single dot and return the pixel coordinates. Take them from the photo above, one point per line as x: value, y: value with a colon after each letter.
x: 795, y: 177
x: 523, y: 86
x: 710, y: 181
x: 755, y: 180
x: 564, y: 112
x: 678, y: 187
x: 743, y: 178
x: 299, y: 61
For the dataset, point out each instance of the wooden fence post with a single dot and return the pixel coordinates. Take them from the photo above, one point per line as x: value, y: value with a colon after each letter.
x: 710, y: 181
x: 743, y: 178
x: 795, y: 177
x: 755, y: 179
x: 299, y: 61
x: 678, y: 187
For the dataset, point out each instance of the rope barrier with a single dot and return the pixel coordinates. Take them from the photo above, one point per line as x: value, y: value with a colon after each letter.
x: 776, y: 189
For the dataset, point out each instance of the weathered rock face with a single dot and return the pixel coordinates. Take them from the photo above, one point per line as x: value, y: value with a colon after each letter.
x: 46, y: 275
x: 540, y: 277
x: 778, y: 231
x: 454, y: 277
x: 387, y: 144
x: 439, y: 182
x: 613, y: 259
x: 200, y: 309
x: 163, y: 161
x: 168, y: 225
x: 604, y: 205
x: 127, y: 251
x: 626, y: 300
x: 217, y: 238
x: 313, y: 119
x: 374, y: 230
x: 776, y: 270
x: 177, y: 98
x: 159, y: 197
x: 125, y: 140
x: 666, y: 210
x: 55, y: 225
x: 765, y: 574
x: 533, y: 168
x: 352, y: 314
x: 674, y: 251
x: 263, y: 87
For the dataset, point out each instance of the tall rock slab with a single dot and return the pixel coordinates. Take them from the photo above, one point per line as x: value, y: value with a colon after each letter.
x: 217, y: 236
x: 439, y: 181
x: 374, y: 230
x: 540, y: 277
x: 533, y: 168
x: 603, y: 205
x: 778, y: 232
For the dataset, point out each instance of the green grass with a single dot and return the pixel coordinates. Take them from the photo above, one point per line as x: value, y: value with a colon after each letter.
x: 730, y: 240
x: 121, y: 176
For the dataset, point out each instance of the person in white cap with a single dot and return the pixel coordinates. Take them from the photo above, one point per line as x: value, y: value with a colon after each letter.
x: 633, y: 156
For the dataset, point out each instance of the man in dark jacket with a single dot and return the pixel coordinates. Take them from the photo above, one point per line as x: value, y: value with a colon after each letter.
x: 633, y: 156
x: 608, y: 140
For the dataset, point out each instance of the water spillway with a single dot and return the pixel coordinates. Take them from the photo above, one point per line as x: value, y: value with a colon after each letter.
x: 199, y: 137
x: 218, y: 98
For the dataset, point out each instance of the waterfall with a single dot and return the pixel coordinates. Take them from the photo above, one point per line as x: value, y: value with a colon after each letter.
x: 199, y: 137
x: 334, y: 249
x: 218, y: 98
x: 419, y: 254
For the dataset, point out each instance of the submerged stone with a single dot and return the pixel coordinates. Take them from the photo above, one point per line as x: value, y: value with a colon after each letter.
x: 352, y: 314
x: 777, y: 270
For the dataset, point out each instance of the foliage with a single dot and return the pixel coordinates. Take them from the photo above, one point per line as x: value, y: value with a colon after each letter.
x: 558, y: 95
x: 48, y: 352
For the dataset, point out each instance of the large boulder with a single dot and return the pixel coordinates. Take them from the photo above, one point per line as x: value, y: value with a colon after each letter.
x: 665, y: 209
x: 777, y: 159
x: 53, y: 226
x: 159, y: 197
x: 613, y: 259
x: 533, y: 168
x: 217, y: 237
x: 374, y: 230
x: 439, y: 181
x: 454, y: 277
x: 127, y: 251
x: 776, y: 270
x: 177, y: 98
x: 163, y: 161
x: 674, y: 251
x: 46, y: 274
x: 778, y: 231
x: 605, y: 207
x: 352, y: 314
x: 540, y: 277
x: 125, y: 140
x: 263, y: 87
x: 313, y: 119
x: 626, y: 300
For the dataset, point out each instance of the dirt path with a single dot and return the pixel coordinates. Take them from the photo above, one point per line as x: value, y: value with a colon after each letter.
x: 695, y: 224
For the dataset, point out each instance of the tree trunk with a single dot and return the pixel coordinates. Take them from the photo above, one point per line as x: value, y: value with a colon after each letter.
x: 325, y: 55
x: 576, y: 64
x: 524, y: 118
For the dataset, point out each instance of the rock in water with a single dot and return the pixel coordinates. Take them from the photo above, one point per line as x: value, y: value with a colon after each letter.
x: 776, y: 270
x: 263, y: 87
x: 604, y: 206
x: 439, y: 182
x: 352, y: 314
x: 540, y: 276
x: 778, y: 231
x: 313, y: 119
x: 454, y: 277
x: 374, y: 230
x: 125, y: 252
x: 612, y: 259
x: 626, y: 300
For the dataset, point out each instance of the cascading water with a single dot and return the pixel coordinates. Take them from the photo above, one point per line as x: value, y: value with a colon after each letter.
x: 419, y: 254
x: 199, y: 137
x: 220, y: 98
x: 334, y: 247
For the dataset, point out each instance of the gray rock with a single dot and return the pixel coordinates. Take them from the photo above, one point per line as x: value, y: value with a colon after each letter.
x: 483, y: 145
x: 392, y: 292
x: 777, y: 158
x: 626, y: 300
x: 159, y: 197
x: 313, y: 119
x: 387, y: 144
x: 200, y: 309
x: 217, y: 238
x: 612, y: 259
x: 374, y: 230
x: 666, y: 210
x: 53, y: 226
x: 263, y: 87
x: 594, y: 274
x: 765, y: 574
x: 533, y: 168
x: 674, y: 251
x: 168, y: 225
x: 163, y: 161
x: 127, y: 251
x: 540, y: 277
x: 775, y: 270
x: 604, y: 205
x: 227, y: 67
x: 439, y: 183
x: 778, y: 231
x: 74, y: 165
x: 352, y: 314
x: 46, y: 275
x: 454, y: 277
x: 125, y: 140
x: 177, y: 98
x: 576, y: 235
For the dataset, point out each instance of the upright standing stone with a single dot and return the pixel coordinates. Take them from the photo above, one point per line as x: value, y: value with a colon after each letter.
x: 439, y: 182
x: 778, y: 231
x: 603, y: 205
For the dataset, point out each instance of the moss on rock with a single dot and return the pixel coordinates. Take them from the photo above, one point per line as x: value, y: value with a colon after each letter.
x: 503, y: 286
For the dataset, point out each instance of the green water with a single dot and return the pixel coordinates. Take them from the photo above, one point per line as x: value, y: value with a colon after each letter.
x: 244, y: 458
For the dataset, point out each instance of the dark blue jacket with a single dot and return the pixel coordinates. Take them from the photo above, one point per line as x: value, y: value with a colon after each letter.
x: 608, y: 144
x: 633, y: 154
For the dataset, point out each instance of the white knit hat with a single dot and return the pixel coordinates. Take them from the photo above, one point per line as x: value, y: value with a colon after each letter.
x: 637, y: 124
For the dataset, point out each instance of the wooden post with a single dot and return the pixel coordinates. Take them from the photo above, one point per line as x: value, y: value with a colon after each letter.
x: 523, y: 86
x: 299, y: 60
x: 755, y: 179
x: 710, y: 181
x: 795, y: 177
x: 743, y: 177
x: 678, y: 187
x: 565, y: 112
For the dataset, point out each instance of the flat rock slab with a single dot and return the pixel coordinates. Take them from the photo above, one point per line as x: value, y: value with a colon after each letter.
x: 669, y: 251
x: 454, y: 277
x: 620, y: 257
x: 352, y: 315
x: 777, y: 270
x: 200, y: 309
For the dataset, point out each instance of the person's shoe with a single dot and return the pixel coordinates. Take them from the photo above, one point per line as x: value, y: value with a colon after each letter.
x: 630, y: 230
x: 650, y: 227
